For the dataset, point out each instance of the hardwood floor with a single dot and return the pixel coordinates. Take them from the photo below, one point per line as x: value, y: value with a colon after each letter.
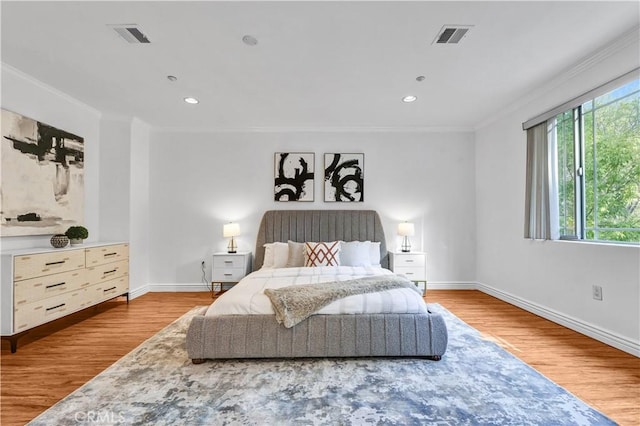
x: 604, y: 377
x: 55, y: 359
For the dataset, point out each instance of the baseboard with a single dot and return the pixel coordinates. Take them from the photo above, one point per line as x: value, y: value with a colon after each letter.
x: 451, y: 285
x: 138, y: 292
x: 174, y: 287
x: 604, y: 336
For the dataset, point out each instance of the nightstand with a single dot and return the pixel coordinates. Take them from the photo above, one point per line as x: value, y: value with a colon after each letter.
x: 229, y: 268
x: 411, y: 264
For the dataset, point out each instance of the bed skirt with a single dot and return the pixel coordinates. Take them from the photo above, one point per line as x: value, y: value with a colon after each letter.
x: 364, y: 335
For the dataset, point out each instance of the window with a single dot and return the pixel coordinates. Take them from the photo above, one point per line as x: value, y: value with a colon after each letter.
x: 597, y: 166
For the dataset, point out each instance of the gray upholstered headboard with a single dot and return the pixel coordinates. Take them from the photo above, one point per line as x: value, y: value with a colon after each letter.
x: 319, y: 225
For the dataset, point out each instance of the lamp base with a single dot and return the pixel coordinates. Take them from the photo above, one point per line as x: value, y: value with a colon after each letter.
x: 231, y: 248
x: 406, y: 245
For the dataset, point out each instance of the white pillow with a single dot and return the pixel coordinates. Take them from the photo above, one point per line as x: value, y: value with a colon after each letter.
x: 322, y: 254
x: 296, y: 254
x: 355, y: 253
x: 275, y: 255
x: 374, y: 253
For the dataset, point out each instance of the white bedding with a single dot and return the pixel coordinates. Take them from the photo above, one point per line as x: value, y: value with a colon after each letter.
x: 248, y: 298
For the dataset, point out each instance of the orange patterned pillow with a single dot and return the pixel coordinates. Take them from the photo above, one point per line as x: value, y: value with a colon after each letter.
x: 322, y: 254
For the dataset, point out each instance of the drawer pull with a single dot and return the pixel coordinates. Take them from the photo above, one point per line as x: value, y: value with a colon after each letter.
x: 113, y: 271
x: 56, y: 307
x: 228, y: 261
x: 409, y: 260
x: 109, y: 289
x: 408, y: 273
x: 55, y: 263
x: 55, y: 285
x: 110, y: 254
x: 228, y: 274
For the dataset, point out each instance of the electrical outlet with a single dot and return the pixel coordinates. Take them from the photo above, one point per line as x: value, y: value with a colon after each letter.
x: 597, y: 292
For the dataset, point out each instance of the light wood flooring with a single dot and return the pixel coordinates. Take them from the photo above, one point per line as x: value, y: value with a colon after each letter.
x: 55, y: 359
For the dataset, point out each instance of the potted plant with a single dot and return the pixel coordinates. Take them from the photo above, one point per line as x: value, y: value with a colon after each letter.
x: 76, y: 234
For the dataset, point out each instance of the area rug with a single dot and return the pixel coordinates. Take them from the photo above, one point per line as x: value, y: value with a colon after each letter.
x: 476, y: 383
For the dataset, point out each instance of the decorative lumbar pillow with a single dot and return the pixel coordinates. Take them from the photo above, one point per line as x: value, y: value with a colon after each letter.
x: 296, y: 254
x: 275, y: 255
x: 322, y: 254
x: 355, y: 253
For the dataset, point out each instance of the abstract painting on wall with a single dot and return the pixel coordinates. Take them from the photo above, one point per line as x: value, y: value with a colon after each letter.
x: 344, y: 177
x: 294, y: 176
x: 42, y: 186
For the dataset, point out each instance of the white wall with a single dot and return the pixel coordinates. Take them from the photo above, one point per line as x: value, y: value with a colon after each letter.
x: 199, y: 181
x: 553, y: 279
x: 31, y: 98
x: 115, y: 164
x: 139, y: 212
x: 124, y: 187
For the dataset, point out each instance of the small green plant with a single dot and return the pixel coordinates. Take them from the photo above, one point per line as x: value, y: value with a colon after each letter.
x: 77, y: 233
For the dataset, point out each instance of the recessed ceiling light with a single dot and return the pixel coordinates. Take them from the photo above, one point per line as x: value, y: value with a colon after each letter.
x: 190, y: 100
x: 249, y: 40
x: 409, y: 98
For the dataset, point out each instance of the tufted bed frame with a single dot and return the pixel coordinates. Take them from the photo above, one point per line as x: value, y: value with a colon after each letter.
x: 360, y: 335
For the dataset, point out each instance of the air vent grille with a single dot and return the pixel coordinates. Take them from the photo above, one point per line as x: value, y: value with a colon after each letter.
x: 131, y: 33
x: 452, y: 34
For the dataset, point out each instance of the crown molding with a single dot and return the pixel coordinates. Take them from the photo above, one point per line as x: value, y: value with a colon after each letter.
x: 624, y: 41
x: 318, y: 129
x: 6, y: 68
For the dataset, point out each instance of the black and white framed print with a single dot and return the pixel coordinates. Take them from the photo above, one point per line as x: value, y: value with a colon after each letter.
x: 294, y: 176
x: 42, y: 178
x: 344, y: 177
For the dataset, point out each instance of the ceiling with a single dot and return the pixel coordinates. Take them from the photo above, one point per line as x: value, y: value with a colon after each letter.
x: 316, y: 65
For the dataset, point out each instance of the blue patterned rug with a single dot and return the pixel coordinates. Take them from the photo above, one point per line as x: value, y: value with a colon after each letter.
x: 475, y: 383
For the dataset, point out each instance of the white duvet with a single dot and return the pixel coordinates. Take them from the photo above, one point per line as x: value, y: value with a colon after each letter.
x: 248, y: 298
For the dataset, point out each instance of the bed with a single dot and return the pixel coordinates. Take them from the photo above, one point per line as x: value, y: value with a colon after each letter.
x: 227, y: 329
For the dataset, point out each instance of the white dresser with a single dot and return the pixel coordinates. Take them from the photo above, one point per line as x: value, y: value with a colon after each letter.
x: 229, y: 268
x: 41, y: 285
x: 412, y: 264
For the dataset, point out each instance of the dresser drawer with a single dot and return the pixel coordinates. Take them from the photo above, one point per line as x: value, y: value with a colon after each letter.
x: 411, y: 272
x: 109, y: 271
x: 35, y: 289
x: 106, y: 254
x: 35, y: 265
x: 228, y: 274
x: 107, y: 290
x: 409, y: 260
x: 32, y: 314
x: 226, y: 262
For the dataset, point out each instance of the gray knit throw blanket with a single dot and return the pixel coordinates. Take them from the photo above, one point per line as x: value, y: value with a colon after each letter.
x: 296, y: 303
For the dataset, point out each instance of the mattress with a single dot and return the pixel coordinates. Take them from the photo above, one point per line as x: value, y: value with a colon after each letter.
x: 248, y: 298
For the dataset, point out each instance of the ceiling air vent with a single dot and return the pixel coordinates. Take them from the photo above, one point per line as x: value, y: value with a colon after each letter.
x: 452, y: 34
x: 131, y: 33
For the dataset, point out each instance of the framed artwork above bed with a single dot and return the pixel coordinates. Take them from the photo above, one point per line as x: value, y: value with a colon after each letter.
x: 343, y: 177
x: 294, y: 176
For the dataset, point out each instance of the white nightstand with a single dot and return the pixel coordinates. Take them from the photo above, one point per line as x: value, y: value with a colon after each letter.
x: 229, y: 268
x: 411, y: 264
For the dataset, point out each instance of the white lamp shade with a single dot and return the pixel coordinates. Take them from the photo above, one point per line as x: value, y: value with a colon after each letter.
x: 406, y: 229
x: 231, y: 230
